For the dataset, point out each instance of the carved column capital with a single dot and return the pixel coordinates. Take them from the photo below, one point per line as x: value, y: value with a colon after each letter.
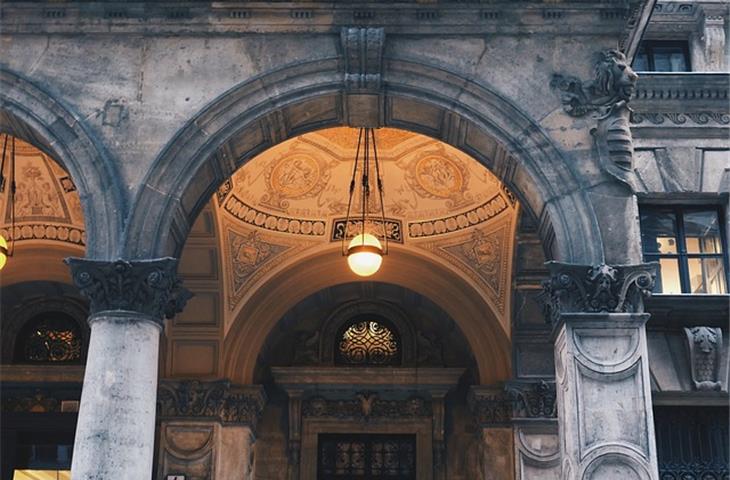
x: 489, y: 406
x: 218, y: 400
x: 532, y: 399
x: 147, y: 287
x: 595, y: 289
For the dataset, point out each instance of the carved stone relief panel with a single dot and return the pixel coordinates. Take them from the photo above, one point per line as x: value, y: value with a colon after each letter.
x: 705, y: 355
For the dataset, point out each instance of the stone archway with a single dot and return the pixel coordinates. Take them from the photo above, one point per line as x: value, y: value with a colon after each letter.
x: 309, y: 96
x: 33, y: 115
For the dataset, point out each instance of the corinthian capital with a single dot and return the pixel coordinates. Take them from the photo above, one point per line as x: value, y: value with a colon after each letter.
x: 598, y: 288
x: 147, y: 287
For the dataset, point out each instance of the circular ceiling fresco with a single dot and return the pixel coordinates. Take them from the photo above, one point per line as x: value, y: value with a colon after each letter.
x: 300, y: 186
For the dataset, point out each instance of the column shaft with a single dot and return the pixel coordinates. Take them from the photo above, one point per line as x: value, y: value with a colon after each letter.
x: 116, y: 428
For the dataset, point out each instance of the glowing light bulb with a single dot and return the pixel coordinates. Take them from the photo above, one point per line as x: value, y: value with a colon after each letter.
x: 3, y: 252
x: 364, y: 255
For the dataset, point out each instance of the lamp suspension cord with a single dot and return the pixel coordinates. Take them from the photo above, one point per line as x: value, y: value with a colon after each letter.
x: 11, y: 240
x: 352, y: 191
x: 365, y: 183
x: 380, y: 192
x: 2, y: 164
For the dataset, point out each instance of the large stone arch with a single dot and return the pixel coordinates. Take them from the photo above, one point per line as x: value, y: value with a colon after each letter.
x: 308, y: 96
x: 33, y: 115
x: 312, y: 271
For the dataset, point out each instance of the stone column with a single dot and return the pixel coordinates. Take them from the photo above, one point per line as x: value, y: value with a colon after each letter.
x: 602, y: 373
x: 491, y: 409
x: 115, y: 433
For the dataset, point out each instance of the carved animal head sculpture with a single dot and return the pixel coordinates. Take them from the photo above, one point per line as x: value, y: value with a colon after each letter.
x: 615, y: 79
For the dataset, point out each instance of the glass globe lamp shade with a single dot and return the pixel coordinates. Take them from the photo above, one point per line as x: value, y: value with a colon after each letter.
x: 3, y: 251
x: 364, y: 254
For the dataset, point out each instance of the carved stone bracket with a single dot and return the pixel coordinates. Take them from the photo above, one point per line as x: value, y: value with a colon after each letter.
x: 599, y: 288
x: 219, y: 400
x: 533, y: 400
x: 705, y: 347
x: 148, y: 287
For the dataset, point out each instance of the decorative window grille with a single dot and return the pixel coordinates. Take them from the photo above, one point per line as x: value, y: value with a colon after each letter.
x: 692, y: 443
x: 50, y: 337
x: 368, y: 342
x: 366, y: 457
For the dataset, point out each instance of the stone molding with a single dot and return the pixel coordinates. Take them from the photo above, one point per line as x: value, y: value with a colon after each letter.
x: 218, y: 400
x: 47, y: 399
x: 148, y: 287
x: 598, y: 288
x: 705, y: 347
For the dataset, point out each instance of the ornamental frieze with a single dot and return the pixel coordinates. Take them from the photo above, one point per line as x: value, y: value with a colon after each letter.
x: 148, y: 287
x: 532, y: 399
x: 219, y: 400
x: 598, y: 288
x: 366, y: 405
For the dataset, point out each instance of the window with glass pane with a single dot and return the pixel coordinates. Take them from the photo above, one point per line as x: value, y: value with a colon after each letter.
x: 689, y: 244
x: 662, y: 56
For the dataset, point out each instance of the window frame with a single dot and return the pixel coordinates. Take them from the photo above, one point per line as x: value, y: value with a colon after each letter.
x: 682, y: 256
x: 650, y: 45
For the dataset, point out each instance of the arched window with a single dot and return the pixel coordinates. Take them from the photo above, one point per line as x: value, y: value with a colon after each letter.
x: 368, y: 341
x: 50, y: 337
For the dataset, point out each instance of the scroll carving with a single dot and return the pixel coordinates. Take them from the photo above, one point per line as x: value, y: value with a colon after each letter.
x: 148, y: 287
x: 705, y: 347
x: 599, y: 288
x: 533, y: 399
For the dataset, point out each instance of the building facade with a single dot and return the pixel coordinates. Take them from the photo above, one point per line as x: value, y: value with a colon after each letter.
x: 553, y: 304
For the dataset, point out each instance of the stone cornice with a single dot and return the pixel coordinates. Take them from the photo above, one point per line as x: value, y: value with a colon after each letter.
x: 595, y: 289
x: 146, y: 287
x: 218, y: 400
x: 517, y: 400
x: 588, y: 17
x: 681, y: 99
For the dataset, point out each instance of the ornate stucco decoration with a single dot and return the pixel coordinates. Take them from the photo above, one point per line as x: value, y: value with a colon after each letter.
x: 705, y: 348
x: 146, y: 287
x: 606, y: 97
x: 532, y: 399
x: 366, y: 405
x: 593, y: 289
x: 220, y: 401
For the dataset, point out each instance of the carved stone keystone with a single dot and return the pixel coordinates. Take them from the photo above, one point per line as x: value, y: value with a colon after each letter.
x: 362, y: 49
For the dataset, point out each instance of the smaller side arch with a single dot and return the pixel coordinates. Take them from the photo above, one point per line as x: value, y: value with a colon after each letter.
x: 33, y: 115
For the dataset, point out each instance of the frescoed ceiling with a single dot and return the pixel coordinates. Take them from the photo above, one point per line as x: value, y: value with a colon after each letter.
x: 47, y: 205
x: 293, y: 197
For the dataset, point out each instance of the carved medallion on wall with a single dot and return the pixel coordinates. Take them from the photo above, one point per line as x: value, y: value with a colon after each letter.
x: 295, y: 176
x: 438, y: 176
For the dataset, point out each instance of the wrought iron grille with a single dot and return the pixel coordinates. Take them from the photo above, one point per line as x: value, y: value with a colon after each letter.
x: 366, y: 457
x: 368, y: 342
x: 50, y: 337
x: 692, y: 443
